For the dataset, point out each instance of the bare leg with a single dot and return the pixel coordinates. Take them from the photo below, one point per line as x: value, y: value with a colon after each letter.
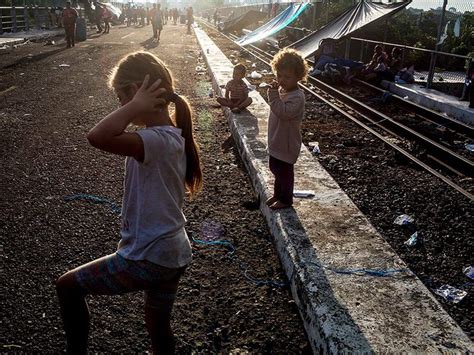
x: 74, y: 312
x: 158, y: 325
x: 224, y: 102
x: 246, y: 103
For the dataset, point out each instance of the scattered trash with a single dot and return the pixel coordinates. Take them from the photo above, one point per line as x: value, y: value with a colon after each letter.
x: 211, y: 93
x: 64, y: 65
x: 315, y: 147
x: 470, y: 147
x: 252, y: 87
x: 28, y: 114
x: 469, y: 272
x: 200, y: 69
x: 303, y: 193
x: 403, y: 220
x: 450, y: 293
x: 50, y: 42
x: 413, y: 240
x: 11, y: 88
x: 264, y: 85
x: 340, y: 145
x: 254, y: 65
x: 405, y: 97
x: 255, y: 75
x: 91, y: 97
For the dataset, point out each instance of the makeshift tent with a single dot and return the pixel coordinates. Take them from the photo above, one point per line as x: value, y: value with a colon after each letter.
x: 275, y: 25
x: 350, y: 21
x: 242, y: 21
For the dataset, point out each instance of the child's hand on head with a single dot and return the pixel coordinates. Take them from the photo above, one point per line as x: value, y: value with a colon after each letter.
x: 149, y: 98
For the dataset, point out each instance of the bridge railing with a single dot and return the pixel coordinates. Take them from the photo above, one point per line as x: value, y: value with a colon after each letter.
x: 25, y: 18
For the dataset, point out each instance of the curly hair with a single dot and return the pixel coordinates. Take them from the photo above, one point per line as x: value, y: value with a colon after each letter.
x: 289, y: 59
x: 240, y: 68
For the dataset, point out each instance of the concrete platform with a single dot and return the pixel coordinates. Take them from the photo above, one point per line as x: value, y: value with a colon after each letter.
x: 341, y: 312
x: 433, y: 99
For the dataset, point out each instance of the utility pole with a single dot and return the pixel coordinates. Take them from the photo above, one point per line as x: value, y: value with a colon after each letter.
x: 429, y: 81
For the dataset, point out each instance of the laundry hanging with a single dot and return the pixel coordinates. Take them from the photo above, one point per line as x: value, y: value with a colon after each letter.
x: 275, y: 25
x: 350, y: 21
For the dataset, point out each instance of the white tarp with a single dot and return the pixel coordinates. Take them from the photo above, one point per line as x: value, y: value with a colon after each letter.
x: 275, y: 25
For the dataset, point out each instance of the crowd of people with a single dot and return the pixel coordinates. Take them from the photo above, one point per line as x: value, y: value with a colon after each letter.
x: 382, y: 66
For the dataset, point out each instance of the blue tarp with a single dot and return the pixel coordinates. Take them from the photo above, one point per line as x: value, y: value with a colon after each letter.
x: 275, y: 25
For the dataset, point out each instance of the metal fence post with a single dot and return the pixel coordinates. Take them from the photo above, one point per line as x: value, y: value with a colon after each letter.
x: 429, y: 81
x: 36, y: 16
x: 26, y: 18
x: 1, y: 25
x: 13, y: 14
x: 464, y: 88
x: 348, y: 48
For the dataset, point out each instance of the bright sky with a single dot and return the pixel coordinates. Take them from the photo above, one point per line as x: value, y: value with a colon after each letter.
x: 460, y: 5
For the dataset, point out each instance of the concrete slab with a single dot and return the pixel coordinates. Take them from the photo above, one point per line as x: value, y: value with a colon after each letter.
x: 433, y: 99
x: 11, y: 39
x: 341, y: 312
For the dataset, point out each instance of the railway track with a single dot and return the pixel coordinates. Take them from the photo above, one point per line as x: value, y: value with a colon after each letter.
x: 437, y: 157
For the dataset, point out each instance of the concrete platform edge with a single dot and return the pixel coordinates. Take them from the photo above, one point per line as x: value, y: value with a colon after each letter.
x: 457, y: 111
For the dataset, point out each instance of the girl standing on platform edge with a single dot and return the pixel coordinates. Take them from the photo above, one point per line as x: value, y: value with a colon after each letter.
x: 287, y: 103
x: 162, y: 162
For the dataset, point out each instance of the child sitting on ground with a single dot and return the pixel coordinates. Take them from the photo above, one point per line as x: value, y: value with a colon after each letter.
x: 287, y: 103
x: 236, y: 91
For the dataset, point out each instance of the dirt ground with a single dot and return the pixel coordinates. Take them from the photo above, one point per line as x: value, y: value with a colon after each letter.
x: 59, y: 95
x: 384, y: 185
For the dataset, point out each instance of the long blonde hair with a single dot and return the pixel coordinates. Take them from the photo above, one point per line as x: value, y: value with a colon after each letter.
x: 132, y: 69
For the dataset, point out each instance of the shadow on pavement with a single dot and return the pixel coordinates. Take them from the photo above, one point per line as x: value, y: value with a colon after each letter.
x: 150, y: 43
x: 34, y: 58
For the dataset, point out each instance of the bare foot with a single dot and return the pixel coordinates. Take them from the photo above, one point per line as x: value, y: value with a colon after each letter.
x: 271, y: 201
x: 278, y: 205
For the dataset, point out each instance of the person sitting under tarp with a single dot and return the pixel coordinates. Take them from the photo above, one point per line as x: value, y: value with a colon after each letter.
x: 377, y: 64
x: 394, y: 65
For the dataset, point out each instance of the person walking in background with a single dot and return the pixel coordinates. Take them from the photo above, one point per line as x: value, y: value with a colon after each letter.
x: 162, y: 163
x: 287, y: 103
x: 189, y: 18
x: 70, y: 16
x: 157, y: 22
x: 106, y: 17
x: 98, y: 16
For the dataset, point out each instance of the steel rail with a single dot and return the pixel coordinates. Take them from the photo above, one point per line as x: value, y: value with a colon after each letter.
x: 361, y: 124
x: 424, y: 112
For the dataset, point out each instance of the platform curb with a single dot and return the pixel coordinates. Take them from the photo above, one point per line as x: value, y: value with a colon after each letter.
x: 336, y: 310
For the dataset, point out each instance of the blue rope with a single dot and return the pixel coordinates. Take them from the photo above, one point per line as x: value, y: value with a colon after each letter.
x: 225, y: 243
x: 94, y: 199
x: 361, y: 272
x: 242, y: 265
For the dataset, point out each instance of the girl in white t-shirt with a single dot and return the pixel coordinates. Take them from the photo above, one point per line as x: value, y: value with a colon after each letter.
x: 162, y: 163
